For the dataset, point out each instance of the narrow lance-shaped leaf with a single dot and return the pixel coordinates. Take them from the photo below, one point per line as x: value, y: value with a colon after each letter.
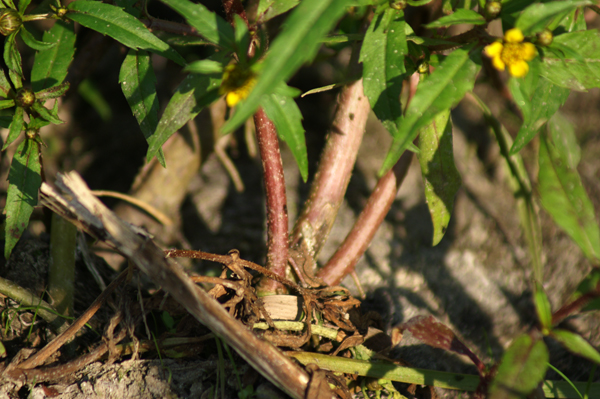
x: 440, y: 91
x: 4, y: 85
x: 12, y: 57
x: 287, y: 119
x: 382, y: 55
x: 16, y: 127
x: 543, y: 102
x: 24, y: 182
x: 49, y: 115
x: 564, y: 197
x: 193, y: 93
x: 440, y: 176
x: 535, y: 17
x: 576, y: 344
x: 296, y: 44
x: 139, y: 87
x: 542, y: 307
x: 121, y: 26
x: 460, y: 16
x: 522, y: 368
x: 32, y: 42
x: 50, y: 66
x: 269, y: 9
x: 579, y: 69
x: 208, y: 24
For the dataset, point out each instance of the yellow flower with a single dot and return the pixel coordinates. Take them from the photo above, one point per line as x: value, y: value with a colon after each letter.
x: 237, y: 84
x: 511, y: 52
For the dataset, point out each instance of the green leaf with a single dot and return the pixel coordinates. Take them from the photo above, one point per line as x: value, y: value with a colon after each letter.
x: 242, y: 39
x: 440, y: 91
x: 576, y: 344
x: 139, y: 87
x: 12, y: 57
x: 16, y: 127
x: 32, y: 42
x: 537, y: 16
x: 24, y: 182
x: 543, y: 102
x: 296, y: 44
x: 121, y: 26
x: 522, y: 368
x: 577, y: 72
x: 542, y: 307
x: 460, y: 16
x: 562, y: 133
x: 4, y: 85
x: 49, y: 115
x: 208, y: 24
x: 23, y: 5
x: 287, y: 118
x: 52, y: 92
x: 565, y: 198
x: 440, y: 176
x: 269, y: 9
x: 590, y: 284
x: 94, y: 97
x: 206, y: 67
x: 7, y: 104
x: 50, y: 66
x: 382, y: 55
x: 416, y: 3
x: 193, y: 93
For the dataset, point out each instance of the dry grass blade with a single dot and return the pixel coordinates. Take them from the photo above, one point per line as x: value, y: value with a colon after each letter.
x: 86, y: 211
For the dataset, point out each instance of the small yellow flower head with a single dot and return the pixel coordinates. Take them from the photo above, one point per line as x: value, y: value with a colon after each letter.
x: 512, y: 52
x: 237, y: 83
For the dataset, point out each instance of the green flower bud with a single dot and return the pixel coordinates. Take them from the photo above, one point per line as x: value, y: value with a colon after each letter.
x: 423, y: 67
x: 398, y: 4
x: 25, y: 98
x: 61, y: 12
x: 31, y: 133
x: 492, y: 9
x: 10, y: 21
x: 545, y: 37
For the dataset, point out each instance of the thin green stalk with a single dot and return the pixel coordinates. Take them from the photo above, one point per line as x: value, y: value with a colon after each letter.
x: 61, y: 276
x: 586, y: 395
x: 564, y: 377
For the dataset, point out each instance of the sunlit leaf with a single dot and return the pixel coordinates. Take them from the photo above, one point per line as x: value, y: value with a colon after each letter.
x: 286, y: 116
x: 32, y: 42
x: 193, y: 93
x: 382, y: 55
x: 565, y: 198
x: 440, y: 176
x: 562, y: 132
x: 16, y: 127
x: 49, y: 115
x: 522, y: 368
x: 12, y: 58
x: 440, y: 91
x: 576, y: 344
x: 542, y: 307
x: 121, y: 26
x: 536, y: 17
x: 50, y: 66
x: 24, y: 182
x: 4, y: 85
x: 139, y: 87
x: 460, y: 16
x: 297, y: 43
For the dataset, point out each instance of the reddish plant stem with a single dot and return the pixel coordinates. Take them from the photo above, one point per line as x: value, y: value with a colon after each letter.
x: 277, y: 216
x: 233, y: 7
x: 333, y: 175
x: 357, y: 241
x: 575, y: 306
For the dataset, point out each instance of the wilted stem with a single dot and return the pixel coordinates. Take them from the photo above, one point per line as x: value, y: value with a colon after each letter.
x: 277, y: 216
x: 357, y: 241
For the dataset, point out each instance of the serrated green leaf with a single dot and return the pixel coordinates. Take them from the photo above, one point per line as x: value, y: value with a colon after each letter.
x: 4, y: 85
x: 7, y: 104
x: 53, y: 92
x: 32, y: 42
x: 208, y: 24
x: 576, y: 344
x: 121, y: 26
x: 36, y: 123
x: 460, y: 16
x: 50, y: 66
x: 577, y: 73
x: 537, y: 16
x: 16, y: 127
x: 440, y: 91
x: 139, y: 87
x: 12, y: 57
x: 543, y: 102
x: 522, y: 368
x: 269, y: 9
x: 542, y: 307
x: 382, y: 55
x: 565, y: 198
x: 49, y: 115
x: 562, y: 133
x: 205, y: 67
x: 193, y: 93
x: 287, y: 118
x: 24, y: 182
x: 296, y: 44
x: 440, y: 176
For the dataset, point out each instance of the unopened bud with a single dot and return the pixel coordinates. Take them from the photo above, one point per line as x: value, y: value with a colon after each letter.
x: 398, y: 4
x: 492, y: 9
x: 25, y: 98
x: 423, y: 68
x: 545, y: 37
x: 10, y: 21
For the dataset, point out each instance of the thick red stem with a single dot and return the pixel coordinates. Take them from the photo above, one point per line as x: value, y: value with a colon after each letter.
x: 358, y: 240
x: 277, y: 216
